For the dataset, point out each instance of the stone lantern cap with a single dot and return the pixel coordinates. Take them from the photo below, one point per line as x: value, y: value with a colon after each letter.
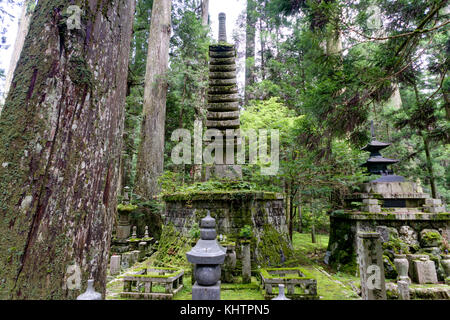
x: 207, y: 250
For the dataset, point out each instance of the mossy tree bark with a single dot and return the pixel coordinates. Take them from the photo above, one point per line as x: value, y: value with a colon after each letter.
x: 150, y: 159
x: 60, y: 144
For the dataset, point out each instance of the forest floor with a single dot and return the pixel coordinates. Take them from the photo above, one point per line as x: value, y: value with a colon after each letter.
x: 330, y: 285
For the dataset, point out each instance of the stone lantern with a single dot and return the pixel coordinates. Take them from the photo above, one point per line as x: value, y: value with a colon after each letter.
x: 207, y: 255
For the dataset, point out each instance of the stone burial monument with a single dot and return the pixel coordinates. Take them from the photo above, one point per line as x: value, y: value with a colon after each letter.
x: 223, y: 105
x: 371, y: 267
x: 234, y: 207
x: 409, y: 221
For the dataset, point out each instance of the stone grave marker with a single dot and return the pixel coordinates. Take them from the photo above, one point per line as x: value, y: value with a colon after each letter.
x: 371, y: 266
x: 425, y: 271
x: 114, y: 265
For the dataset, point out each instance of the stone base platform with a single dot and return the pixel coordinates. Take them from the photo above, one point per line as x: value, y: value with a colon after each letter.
x: 206, y: 292
x: 262, y: 211
x: 344, y: 226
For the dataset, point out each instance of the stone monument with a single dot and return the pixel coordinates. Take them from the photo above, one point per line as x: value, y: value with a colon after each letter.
x: 373, y: 286
x: 207, y: 255
x: 237, y: 206
x: 223, y: 106
x: 403, y: 290
x: 388, y: 204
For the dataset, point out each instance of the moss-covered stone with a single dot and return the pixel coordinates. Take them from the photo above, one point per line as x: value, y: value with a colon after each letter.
x: 430, y: 238
x: 172, y: 248
x: 390, y: 271
x: 272, y: 247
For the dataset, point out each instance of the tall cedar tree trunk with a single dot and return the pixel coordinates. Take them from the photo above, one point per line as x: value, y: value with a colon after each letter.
x: 150, y: 159
x: 250, y: 43
x: 200, y: 109
x: 60, y: 144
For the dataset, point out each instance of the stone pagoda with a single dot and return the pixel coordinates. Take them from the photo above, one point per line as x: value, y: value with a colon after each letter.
x: 238, y: 207
x: 389, y: 190
x: 223, y: 104
x: 207, y: 256
x: 377, y: 164
x: 397, y: 209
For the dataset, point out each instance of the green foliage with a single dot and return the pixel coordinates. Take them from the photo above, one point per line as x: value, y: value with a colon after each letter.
x: 194, y: 232
x: 246, y: 232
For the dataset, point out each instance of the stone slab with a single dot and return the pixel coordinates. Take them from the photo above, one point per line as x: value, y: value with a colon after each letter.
x: 403, y: 290
x: 425, y: 271
x: 114, y: 265
x: 371, y: 266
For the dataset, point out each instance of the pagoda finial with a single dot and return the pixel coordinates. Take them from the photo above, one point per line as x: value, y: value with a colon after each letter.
x: 222, y: 27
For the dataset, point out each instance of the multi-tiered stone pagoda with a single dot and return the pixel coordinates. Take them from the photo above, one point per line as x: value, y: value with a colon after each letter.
x: 223, y: 104
x: 236, y: 208
x: 377, y: 164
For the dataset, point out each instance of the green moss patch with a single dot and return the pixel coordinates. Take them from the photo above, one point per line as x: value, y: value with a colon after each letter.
x: 172, y: 249
x: 272, y: 246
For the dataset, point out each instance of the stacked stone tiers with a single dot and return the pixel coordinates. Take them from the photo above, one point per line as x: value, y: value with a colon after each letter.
x: 223, y: 107
x: 223, y: 99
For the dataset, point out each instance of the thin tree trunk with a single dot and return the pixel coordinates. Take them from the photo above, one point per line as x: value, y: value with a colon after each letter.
x: 150, y: 158
x: 313, y: 227
x: 291, y: 214
x: 299, y: 218
x: 262, y: 39
x: 426, y: 144
x: 60, y: 147
x: 313, y: 233
x: 250, y: 43
x: 205, y: 12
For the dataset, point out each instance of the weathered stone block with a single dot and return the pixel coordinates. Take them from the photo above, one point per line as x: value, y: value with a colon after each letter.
x: 371, y: 266
x: 126, y: 260
x: 408, y: 235
x: 425, y: 271
x: 433, y: 202
x: 430, y: 238
x: 370, y: 201
x: 114, y: 265
x: 206, y: 292
x: 403, y: 290
x: 246, y: 263
x: 372, y: 208
x: 123, y: 232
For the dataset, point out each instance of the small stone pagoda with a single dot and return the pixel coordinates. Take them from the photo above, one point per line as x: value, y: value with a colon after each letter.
x: 377, y: 164
x: 399, y: 210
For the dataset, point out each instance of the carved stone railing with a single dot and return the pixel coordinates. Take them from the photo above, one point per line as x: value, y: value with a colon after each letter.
x: 149, y: 282
x: 299, y: 285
